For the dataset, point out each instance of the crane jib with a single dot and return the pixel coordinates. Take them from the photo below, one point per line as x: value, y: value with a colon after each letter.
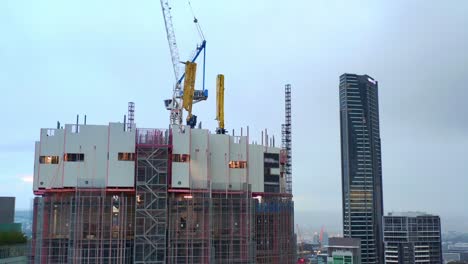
x: 201, y: 48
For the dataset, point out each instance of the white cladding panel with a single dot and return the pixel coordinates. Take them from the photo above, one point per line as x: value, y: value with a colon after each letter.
x: 238, y: 152
x: 51, y: 144
x: 256, y: 167
x: 237, y: 178
x: 210, y: 155
x: 94, y: 143
x: 120, y: 171
x: 180, y: 174
x: 219, y: 159
x: 199, y: 159
x: 36, y: 165
x: 238, y: 148
x: 181, y: 170
x: 181, y: 141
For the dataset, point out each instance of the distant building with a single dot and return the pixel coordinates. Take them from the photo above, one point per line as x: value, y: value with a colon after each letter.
x: 412, y: 238
x: 325, y: 239
x: 343, y: 250
x: 322, y: 259
x: 361, y: 164
x: 7, y: 215
x: 460, y: 249
x: 451, y: 257
x: 13, y: 247
x: 7, y: 210
x: 316, y: 238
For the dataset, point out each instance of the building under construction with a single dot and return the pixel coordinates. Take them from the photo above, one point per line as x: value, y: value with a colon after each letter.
x: 121, y: 194
x: 118, y: 193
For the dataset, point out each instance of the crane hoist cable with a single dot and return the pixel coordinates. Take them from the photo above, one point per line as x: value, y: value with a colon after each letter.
x: 195, y: 20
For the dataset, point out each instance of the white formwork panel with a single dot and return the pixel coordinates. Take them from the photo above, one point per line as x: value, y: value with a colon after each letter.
x: 50, y: 144
x: 238, y: 149
x: 237, y: 152
x: 180, y: 170
x: 36, y: 166
x: 181, y: 141
x: 121, y: 173
x: 91, y: 140
x: 219, y: 159
x: 180, y: 174
x: 199, y: 159
x: 256, y: 167
x: 237, y: 177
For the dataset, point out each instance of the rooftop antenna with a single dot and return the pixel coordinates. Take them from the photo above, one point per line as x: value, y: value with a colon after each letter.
x: 77, y: 120
x: 131, y: 116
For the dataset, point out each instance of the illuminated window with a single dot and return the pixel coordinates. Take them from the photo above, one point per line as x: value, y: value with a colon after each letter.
x: 126, y: 156
x: 49, y: 159
x: 73, y: 157
x: 238, y: 164
x: 180, y: 157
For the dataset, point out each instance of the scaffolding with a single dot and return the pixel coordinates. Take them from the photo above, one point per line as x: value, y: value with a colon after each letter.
x: 287, y: 137
x: 274, y: 233
x: 152, y: 163
x: 211, y: 227
x: 83, y: 226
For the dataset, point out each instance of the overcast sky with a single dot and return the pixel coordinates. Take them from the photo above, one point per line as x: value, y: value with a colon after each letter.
x: 62, y: 58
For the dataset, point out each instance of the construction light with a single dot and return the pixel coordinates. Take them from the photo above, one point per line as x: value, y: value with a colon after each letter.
x: 188, y: 196
x: 259, y: 198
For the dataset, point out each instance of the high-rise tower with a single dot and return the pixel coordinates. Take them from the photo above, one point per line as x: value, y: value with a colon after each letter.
x: 361, y: 164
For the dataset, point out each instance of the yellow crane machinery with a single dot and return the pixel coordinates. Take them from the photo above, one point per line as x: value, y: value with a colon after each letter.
x: 220, y: 104
x: 189, y: 91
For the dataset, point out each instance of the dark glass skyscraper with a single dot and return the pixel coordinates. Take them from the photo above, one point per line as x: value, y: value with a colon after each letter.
x: 361, y: 164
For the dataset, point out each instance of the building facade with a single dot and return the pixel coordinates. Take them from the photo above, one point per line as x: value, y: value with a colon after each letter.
x: 110, y: 194
x: 361, y: 164
x: 412, y: 238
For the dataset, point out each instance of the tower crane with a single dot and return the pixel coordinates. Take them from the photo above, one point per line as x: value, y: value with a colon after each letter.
x: 300, y: 243
x: 180, y: 99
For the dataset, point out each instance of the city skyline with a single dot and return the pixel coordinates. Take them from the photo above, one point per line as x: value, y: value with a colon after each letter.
x: 58, y: 53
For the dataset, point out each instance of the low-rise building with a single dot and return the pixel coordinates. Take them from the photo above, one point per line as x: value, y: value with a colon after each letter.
x: 344, y: 250
x: 412, y: 237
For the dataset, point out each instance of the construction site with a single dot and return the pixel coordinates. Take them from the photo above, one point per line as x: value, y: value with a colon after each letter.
x: 119, y: 193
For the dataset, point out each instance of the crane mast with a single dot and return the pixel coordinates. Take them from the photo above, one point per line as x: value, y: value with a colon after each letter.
x: 174, y: 104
